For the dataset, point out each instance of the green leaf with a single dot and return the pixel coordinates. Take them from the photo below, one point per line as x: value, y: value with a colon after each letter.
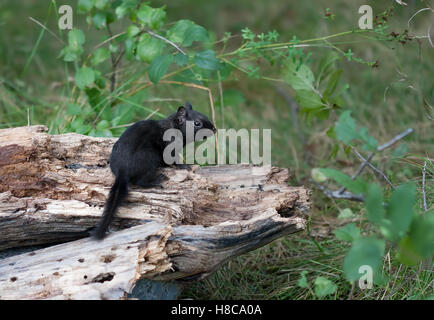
x: 324, y: 287
x: 100, y: 82
x: 207, y: 60
x: 302, y: 282
x: 76, y: 38
x: 317, y: 175
x: 181, y: 59
x: 103, y: 124
x: 349, y: 232
x: 195, y: 33
x: 399, y: 212
x: 308, y: 100
x: 149, y: 48
x: 126, y: 7
x: 78, y: 126
x: 84, y: 77
x: 186, y: 32
x: 334, y: 151
x: 130, y: 47
x: 331, y: 133
x: 84, y: 6
x: 370, y: 142
x: 177, y: 32
x: 364, y: 252
x: 346, y: 213
x: 151, y: 17
x: 346, y: 131
x: 332, y: 83
x: 374, y: 204
x: 69, y: 54
x: 99, y: 56
x: 346, y: 128
x: 113, y: 48
x: 418, y: 244
x: 132, y: 31
x: 101, y: 4
x: 159, y: 67
x: 301, y: 79
x: 187, y: 76
x: 122, y: 114
x: 74, y: 48
x: 357, y: 186
x: 100, y: 20
x: 326, y: 64
x: 73, y: 109
x: 95, y: 98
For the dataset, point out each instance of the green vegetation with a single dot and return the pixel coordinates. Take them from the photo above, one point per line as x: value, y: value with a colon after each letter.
x: 330, y: 92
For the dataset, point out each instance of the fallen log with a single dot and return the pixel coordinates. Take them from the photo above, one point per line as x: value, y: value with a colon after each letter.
x: 53, y: 188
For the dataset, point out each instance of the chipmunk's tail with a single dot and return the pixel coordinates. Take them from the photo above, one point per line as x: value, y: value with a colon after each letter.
x: 118, y: 193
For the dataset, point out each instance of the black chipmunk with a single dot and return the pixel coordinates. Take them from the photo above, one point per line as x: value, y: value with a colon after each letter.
x: 137, y: 157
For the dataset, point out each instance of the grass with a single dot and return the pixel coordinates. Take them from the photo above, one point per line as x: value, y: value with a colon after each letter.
x: 387, y: 100
x: 284, y: 260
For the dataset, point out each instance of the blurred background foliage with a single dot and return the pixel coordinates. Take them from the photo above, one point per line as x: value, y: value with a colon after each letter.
x: 36, y: 86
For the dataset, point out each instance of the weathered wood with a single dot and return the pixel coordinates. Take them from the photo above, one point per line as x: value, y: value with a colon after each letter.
x: 53, y: 188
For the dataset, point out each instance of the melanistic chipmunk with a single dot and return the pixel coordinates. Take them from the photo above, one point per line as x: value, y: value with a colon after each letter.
x: 138, y: 155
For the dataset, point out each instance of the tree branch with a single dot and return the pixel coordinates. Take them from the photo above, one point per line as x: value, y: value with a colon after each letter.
x: 374, y: 168
x: 341, y: 194
x: 379, y: 149
x: 338, y: 195
x: 166, y: 40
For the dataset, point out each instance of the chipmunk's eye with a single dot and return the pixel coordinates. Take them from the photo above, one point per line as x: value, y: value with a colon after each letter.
x: 197, y: 123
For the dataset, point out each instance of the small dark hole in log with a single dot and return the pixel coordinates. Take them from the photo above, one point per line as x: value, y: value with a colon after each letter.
x: 108, y: 258
x: 103, y: 277
x: 55, y: 273
x: 13, y: 279
x: 285, y: 212
x: 85, y: 276
x: 32, y: 254
x: 81, y: 260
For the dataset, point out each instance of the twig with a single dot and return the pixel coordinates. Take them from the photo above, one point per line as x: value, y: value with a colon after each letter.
x: 394, y: 140
x: 359, y: 171
x: 130, y: 124
x: 167, y: 41
x: 379, y: 149
x: 108, y: 40
x: 425, y: 207
x: 338, y: 195
x: 374, y: 168
x: 44, y: 27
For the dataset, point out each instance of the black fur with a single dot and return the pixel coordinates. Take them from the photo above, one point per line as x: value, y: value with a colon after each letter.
x: 138, y: 155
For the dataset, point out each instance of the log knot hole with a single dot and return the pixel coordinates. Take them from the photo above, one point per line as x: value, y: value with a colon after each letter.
x: 103, y: 277
x: 287, y: 207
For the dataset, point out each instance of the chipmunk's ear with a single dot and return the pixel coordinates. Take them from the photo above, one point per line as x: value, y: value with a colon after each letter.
x: 188, y: 105
x: 182, y: 115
